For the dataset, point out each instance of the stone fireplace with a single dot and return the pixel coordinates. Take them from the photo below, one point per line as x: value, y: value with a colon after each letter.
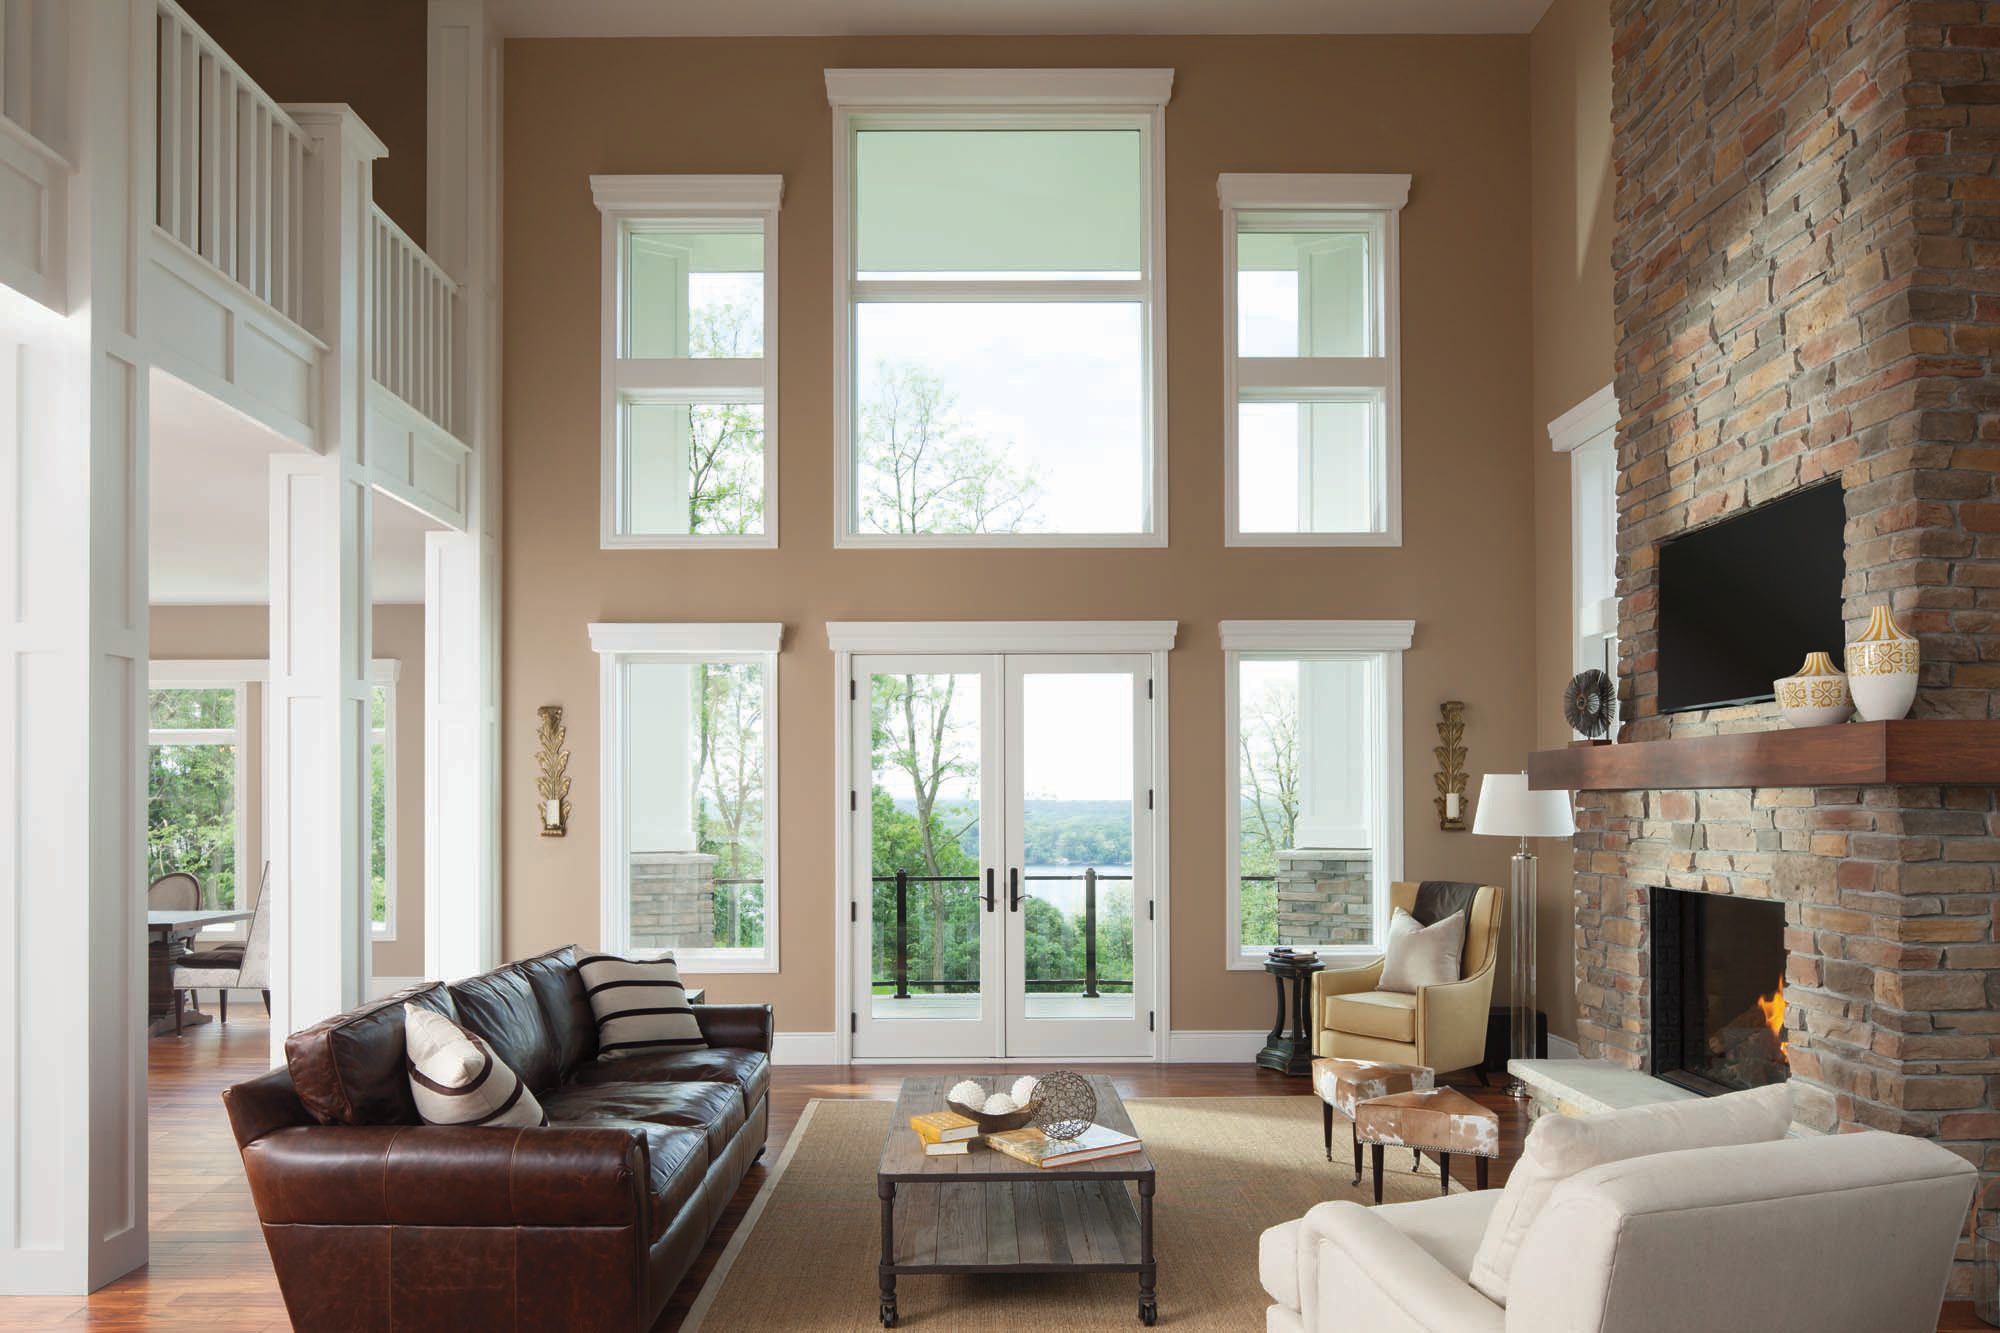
x: 1807, y: 223
x: 1718, y: 988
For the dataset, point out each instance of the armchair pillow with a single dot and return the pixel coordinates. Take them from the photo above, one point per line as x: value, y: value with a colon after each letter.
x: 1559, y: 1147
x: 1420, y: 956
x: 640, y: 1006
x: 458, y: 1080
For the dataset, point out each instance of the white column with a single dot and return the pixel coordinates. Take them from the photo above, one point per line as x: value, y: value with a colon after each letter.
x: 462, y: 679
x: 73, y: 404
x: 317, y: 838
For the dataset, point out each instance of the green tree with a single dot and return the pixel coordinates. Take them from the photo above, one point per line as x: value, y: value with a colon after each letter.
x: 729, y: 784
x: 915, y: 731
x: 725, y: 440
x: 923, y: 469
x: 191, y: 793
x: 1268, y: 758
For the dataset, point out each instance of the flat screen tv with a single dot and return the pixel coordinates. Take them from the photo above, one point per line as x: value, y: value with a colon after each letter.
x: 1743, y: 601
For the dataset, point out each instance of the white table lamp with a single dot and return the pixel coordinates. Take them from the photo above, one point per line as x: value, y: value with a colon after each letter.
x: 1508, y: 809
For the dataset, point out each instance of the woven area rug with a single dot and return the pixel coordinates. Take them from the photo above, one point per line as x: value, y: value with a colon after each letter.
x: 1229, y: 1167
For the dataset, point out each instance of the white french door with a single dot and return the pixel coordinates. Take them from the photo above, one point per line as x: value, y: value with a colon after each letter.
x: 1003, y: 855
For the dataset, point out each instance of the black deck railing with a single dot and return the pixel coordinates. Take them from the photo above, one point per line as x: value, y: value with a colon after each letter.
x: 1091, y: 982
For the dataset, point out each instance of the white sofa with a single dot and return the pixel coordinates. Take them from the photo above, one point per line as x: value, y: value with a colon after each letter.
x: 1849, y: 1233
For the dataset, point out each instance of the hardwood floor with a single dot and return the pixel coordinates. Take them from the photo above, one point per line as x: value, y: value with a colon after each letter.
x: 210, y: 1273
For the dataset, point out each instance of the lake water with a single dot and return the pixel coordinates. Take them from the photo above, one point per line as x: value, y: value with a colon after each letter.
x: 1066, y: 895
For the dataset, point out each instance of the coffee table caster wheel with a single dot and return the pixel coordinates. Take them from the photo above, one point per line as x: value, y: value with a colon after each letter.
x: 1149, y: 1311
x: 888, y: 1314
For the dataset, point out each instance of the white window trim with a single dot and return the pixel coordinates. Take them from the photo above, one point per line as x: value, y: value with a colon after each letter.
x: 622, y: 201
x: 1378, y: 201
x: 1018, y: 636
x: 1589, y: 432
x: 616, y: 645
x: 1381, y: 640
x: 213, y: 675
x: 384, y: 673
x: 1013, y: 99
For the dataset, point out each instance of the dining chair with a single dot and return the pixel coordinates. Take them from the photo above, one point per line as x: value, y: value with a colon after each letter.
x: 226, y: 967
x: 175, y: 892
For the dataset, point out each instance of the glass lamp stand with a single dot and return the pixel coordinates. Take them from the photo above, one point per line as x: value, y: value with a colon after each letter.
x: 1521, y: 1034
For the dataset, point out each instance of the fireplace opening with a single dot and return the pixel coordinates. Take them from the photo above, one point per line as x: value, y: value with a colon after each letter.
x: 1718, y: 991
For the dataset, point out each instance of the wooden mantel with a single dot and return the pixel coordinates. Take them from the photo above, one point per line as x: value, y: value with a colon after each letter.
x: 1939, y: 751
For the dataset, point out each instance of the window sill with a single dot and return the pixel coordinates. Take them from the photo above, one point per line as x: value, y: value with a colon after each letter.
x: 1391, y: 538
x: 1335, y: 959
x: 1023, y: 541
x: 721, y: 541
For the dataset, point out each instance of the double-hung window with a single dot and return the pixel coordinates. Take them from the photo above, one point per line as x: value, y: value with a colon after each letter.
x: 1000, y: 350
x: 1315, y: 825
x: 689, y: 835
x: 690, y: 364
x: 194, y: 785
x: 1588, y: 433
x: 1311, y: 430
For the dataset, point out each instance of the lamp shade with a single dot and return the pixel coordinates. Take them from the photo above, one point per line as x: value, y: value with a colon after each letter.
x: 1508, y: 809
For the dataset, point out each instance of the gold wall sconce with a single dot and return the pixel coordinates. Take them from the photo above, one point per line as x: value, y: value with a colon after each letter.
x: 1450, y: 777
x: 552, y: 777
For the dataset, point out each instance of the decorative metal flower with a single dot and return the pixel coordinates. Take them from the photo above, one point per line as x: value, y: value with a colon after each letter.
x: 1589, y: 702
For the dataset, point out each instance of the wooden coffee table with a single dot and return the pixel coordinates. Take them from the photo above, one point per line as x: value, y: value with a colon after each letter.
x: 985, y: 1212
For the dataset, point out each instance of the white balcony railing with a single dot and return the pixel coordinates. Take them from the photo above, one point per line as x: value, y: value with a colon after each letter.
x: 231, y: 167
x: 416, y: 326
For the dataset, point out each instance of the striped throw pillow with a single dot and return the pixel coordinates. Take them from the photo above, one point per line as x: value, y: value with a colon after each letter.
x: 458, y: 1080
x: 641, y: 1006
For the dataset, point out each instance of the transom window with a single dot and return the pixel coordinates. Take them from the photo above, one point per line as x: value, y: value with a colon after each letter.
x: 689, y: 713
x: 1311, y: 432
x: 1000, y: 345
x: 690, y: 363
x: 1315, y: 811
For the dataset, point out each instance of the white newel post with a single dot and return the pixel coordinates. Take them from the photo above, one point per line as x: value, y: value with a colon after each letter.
x: 73, y: 405
x: 317, y: 837
x: 462, y: 806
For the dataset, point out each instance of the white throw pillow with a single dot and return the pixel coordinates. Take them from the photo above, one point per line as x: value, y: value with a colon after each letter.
x: 1422, y: 955
x: 640, y: 1005
x: 1559, y: 1146
x: 458, y: 1080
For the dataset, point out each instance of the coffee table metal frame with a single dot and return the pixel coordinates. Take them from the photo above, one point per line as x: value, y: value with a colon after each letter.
x: 985, y: 1212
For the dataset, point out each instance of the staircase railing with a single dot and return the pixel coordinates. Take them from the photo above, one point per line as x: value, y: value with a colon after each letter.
x: 417, y: 333
x: 231, y: 167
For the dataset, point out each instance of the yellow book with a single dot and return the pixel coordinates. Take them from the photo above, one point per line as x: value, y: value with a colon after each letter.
x: 1038, y: 1149
x: 944, y: 1127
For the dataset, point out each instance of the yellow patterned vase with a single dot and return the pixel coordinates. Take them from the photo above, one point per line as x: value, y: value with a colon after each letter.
x: 1882, y: 669
x: 1817, y: 696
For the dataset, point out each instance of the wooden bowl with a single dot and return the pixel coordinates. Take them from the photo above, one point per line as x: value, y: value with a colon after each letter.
x: 997, y: 1124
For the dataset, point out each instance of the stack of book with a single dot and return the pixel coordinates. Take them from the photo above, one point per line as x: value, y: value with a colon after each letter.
x: 1038, y: 1149
x: 944, y: 1133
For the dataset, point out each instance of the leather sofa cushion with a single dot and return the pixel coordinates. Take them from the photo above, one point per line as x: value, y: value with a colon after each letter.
x: 565, y: 1007
x: 748, y: 1070
x: 1385, y: 1015
x: 502, y: 1008
x: 349, y: 1069
x: 714, y: 1108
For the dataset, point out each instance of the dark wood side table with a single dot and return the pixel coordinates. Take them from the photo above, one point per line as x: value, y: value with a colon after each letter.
x: 1294, y: 1054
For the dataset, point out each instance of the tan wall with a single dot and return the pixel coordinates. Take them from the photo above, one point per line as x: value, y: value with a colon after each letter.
x: 366, y: 53
x: 1240, y: 104
x: 1569, y: 57
x: 243, y: 633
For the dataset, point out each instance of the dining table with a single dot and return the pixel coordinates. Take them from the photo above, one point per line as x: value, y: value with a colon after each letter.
x: 168, y: 934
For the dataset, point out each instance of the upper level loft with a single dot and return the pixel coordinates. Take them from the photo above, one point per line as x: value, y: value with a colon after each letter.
x: 268, y: 278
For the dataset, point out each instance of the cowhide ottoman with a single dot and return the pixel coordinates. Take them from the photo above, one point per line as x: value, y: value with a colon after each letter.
x: 1439, y: 1120
x: 1343, y: 1085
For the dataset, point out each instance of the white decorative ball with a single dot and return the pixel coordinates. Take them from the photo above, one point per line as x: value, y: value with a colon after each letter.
x: 967, y: 1093
x: 1024, y: 1089
x: 999, y: 1104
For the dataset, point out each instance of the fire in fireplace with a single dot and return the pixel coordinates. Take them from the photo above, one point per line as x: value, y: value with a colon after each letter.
x: 1718, y: 983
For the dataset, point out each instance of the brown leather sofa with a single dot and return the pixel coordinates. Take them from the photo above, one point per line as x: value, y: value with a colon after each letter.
x: 376, y: 1221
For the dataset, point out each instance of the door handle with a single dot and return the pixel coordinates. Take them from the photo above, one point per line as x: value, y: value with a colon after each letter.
x: 1013, y: 888
x: 989, y: 888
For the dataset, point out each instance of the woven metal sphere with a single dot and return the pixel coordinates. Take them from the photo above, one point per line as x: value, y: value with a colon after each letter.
x: 1065, y: 1104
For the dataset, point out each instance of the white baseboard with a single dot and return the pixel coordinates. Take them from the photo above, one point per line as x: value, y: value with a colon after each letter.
x: 378, y: 987
x: 1209, y: 1048
x: 1562, y: 1048
x: 803, y: 1048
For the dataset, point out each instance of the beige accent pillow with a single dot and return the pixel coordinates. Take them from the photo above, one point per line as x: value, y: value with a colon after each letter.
x: 1422, y: 955
x: 458, y: 1080
x: 1559, y: 1146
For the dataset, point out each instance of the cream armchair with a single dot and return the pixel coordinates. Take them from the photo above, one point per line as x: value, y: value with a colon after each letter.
x: 1440, y: 1027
